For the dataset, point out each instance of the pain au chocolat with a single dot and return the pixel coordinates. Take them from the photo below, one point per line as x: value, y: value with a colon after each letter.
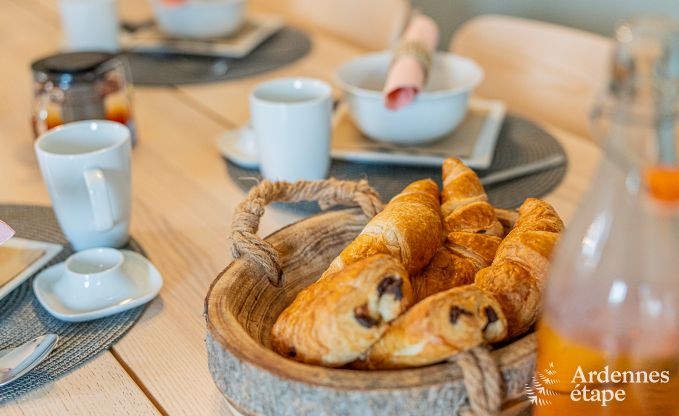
x: 336, y: 319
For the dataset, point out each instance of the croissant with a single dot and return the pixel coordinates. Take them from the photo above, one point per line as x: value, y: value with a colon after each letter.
x: 516, y: 276
x: 409, y: 229
x: 474, y: 233
x: 437, y: 328
x: 445, y: 270
x: 508, y: 292
x: 336, y: 319
x: 465, y: 204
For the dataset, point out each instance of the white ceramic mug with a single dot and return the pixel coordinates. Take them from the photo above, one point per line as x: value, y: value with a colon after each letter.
x: 90, y: 24
x: 86, y: 166
x: 291, y: 118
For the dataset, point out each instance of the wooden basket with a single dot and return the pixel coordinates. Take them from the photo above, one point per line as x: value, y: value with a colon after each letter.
x: 246, y: 298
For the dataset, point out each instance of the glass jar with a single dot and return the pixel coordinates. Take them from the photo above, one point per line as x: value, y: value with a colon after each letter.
x: 81, y: 86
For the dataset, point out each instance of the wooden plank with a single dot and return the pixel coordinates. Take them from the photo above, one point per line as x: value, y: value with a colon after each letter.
x: 229, y: 99
x: 583, y: 159
x: 100, y: 387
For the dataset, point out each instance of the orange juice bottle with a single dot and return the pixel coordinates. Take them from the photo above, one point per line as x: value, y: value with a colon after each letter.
x: 608, y: 340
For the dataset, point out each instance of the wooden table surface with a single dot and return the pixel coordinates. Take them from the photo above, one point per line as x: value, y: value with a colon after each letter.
x: 182, y: 204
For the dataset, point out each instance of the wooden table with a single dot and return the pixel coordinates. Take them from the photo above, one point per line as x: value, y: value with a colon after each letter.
x: 182, y: 204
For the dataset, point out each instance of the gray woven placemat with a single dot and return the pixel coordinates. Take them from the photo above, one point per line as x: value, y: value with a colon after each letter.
x: 282, y: 48
x: 520, y: 142
x: 22, y: 318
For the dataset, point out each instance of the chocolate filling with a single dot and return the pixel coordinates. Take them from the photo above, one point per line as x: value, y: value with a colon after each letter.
x: 363, y: 318
x: 456, y: 312
x: 391, y: 285
x: 292, y: 352
x: 491, y: 315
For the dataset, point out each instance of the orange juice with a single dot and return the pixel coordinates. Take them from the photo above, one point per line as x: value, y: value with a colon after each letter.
x: 590, y: 381
x: 663, y: 182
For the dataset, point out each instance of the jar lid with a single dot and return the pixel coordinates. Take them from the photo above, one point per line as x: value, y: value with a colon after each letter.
x: 74, y: 65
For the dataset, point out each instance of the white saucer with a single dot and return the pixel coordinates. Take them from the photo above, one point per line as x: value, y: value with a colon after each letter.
x: 239, y: 147
x: 144, y: 277
x: 256, y: 29
x: 473, y: 141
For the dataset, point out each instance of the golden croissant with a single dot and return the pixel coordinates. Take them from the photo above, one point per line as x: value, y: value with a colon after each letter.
x: 517, y: 274
x: 409, y: 229
x: 473, y: 233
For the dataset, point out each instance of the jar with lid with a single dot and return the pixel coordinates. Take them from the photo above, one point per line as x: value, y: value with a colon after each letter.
x: 81, y: 86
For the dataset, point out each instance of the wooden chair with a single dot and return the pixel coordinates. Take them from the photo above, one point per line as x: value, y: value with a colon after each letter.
x: 371, y: 24
x: 540, y: 70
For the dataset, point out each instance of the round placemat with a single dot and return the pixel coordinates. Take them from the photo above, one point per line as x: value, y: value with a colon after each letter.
x: 519, y: 142
x: 22, y: 318
x: 282, y: 48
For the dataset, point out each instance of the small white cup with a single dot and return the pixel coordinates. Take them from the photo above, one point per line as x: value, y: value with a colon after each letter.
x: 291, y: 118
x: 90, y: 24
x: 86, y: 166
x: 93, y: 279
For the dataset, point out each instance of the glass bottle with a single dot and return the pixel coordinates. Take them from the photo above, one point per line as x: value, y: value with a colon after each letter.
x: 608, y: 341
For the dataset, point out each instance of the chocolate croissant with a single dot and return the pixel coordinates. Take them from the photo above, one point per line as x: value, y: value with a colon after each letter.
x: 516, y: 276
x: 473, y: 233
x: 409, y: 229
x: 336, y: 319
x: 437, y: 328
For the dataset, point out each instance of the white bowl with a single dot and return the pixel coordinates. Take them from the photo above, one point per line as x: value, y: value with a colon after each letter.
x: 435, y: 112
x: 200, y: 19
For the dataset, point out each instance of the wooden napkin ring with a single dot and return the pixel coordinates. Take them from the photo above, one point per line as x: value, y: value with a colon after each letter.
x: 418, y: 51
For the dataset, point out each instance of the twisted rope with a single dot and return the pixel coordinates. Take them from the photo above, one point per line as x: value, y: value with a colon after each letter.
x: 327, y: 193
x: 482, y: 381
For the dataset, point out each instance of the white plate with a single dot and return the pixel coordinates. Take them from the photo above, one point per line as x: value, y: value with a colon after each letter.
x: 473, y: 141
x: 238, y: 145
x: 144, y: 276
x: 51, y: 251
x: 256, y: 30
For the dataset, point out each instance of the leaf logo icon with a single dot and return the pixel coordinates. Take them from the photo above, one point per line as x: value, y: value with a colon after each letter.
x: 538, y: 390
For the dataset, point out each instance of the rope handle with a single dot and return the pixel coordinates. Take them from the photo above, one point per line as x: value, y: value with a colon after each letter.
x: 328, y: 193
x: 482, y: 380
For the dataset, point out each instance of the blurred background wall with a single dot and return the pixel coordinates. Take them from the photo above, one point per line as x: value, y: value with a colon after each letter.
x: 593, y: 15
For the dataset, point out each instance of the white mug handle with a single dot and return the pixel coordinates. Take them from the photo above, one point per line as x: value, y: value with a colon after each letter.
x: 97, y: 188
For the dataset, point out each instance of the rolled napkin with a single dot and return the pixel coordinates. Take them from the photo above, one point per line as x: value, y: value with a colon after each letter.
x: 6, y: 232
x: 412, y: 59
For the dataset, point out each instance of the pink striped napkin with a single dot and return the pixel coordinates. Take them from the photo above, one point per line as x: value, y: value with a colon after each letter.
x: 6, y: 232
x: 406, y: 76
